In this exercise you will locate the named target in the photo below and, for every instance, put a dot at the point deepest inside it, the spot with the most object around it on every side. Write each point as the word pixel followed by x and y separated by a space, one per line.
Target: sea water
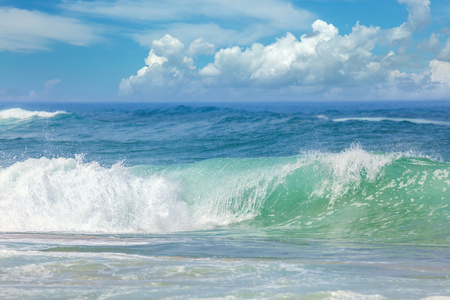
pixel 225 201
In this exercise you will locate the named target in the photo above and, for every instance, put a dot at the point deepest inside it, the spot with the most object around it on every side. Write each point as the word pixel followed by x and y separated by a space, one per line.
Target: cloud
pixel 418 12
pixel 278 13
pixel 167 66
pixel 49 87
pixel 318 59
pixel 321 57
pixel 444 54
pixel 322 64
pixel 418 17
pixel 201 47
pixel 440 71
pixel 24 31
pixel 217 22
pixel 209 32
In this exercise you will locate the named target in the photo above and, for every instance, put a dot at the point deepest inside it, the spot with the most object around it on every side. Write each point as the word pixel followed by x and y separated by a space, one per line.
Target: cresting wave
pixel 21 114
pixel 353 194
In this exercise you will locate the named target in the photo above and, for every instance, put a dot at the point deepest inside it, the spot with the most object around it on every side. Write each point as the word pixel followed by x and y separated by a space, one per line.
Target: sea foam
pixel 69 195
pixel 21 114
pixel 379 119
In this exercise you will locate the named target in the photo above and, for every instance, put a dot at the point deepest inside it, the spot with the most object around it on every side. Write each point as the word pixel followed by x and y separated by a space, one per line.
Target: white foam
pixel 346 170
pixel 21 114
pixel 69 195
pixel 348 295
pixel 323 117
pixel 379 119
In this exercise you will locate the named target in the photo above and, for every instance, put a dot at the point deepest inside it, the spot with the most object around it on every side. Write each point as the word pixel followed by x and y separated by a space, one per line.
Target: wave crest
pixel 66 194
pixel 21 114
pixel 380 119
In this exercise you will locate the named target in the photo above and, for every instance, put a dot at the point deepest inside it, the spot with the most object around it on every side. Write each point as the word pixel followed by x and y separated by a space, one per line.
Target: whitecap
pixel 379 119
pixel 21 114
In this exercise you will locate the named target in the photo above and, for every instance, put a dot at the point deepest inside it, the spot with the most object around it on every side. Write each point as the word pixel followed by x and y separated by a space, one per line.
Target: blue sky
pixel 224 50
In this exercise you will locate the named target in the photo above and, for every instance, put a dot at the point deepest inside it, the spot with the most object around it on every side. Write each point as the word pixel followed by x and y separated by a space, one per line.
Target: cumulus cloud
pixel 321 58
pixel 24 30
pixel 321 64
pixel 167 66
pixel 201 47
pixel 440 71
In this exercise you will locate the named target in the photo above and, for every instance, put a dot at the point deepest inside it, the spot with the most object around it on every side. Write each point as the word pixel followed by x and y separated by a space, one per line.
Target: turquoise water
pixel 238 201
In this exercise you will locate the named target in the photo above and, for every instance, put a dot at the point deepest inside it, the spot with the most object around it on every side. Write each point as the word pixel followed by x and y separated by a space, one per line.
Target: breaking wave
pixel 21 114
pixel 380 119
pixel 353 194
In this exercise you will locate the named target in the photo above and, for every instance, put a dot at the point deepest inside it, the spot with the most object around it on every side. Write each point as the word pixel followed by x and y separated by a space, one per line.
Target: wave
pixel 21 114
pixel 379 119
pixel 354 194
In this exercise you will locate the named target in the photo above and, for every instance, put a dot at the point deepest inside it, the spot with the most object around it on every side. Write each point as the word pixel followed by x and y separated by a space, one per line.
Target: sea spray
pixel 69 195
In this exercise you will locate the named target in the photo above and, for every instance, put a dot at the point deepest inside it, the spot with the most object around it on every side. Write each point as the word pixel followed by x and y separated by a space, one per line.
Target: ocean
pixel 332 200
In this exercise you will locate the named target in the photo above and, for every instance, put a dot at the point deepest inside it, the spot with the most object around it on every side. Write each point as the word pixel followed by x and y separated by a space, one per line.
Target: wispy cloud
pixel 217 21
pixel 277 13
pixel 25 30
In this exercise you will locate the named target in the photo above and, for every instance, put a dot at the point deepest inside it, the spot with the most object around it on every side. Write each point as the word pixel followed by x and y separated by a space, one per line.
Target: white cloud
pixel 209 32
pixel 278 13
pixel 218 21
pixel 418 16
pixel 418 12
pixel 24 30
pixel 167 67
pixel 201 47
pixel 320 58
pixel 440 71
pixel 444 54
pixel 322 64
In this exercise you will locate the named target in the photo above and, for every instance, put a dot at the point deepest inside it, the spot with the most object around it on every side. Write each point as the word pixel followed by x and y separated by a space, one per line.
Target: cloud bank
pixel 321 64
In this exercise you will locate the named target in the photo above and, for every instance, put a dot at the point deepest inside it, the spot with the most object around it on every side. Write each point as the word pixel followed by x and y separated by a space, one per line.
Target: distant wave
pixel 21 114
pixel 379 119
pixel 323 117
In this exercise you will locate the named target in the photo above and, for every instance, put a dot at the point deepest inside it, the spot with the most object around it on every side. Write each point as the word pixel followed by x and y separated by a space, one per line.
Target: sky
pixel 224 50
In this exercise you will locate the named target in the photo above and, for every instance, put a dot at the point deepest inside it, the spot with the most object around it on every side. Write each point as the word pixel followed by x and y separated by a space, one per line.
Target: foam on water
pixel 380 119
pixel 21 114
pixel 69 195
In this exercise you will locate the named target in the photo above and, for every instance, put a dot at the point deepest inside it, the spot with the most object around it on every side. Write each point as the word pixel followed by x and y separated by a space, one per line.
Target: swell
pixel 353 194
